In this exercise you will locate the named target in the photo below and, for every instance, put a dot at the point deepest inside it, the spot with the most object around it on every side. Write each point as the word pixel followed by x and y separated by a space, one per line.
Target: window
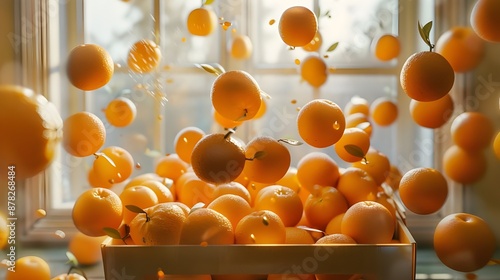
pixel 177 94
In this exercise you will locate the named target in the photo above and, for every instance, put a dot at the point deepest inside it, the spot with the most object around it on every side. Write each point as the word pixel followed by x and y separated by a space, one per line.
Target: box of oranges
pixel 374 261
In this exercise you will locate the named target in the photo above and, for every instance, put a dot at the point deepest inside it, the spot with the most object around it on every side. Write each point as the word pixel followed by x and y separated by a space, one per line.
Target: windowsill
pixel 428 265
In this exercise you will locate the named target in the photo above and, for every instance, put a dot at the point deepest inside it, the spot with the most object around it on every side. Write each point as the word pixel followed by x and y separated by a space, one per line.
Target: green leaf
pixel 310 229
pixel 425 33
pixel 218 67
pixel 292 142
pixel 104 156
pixel 196 207
pixel 259 154
pixel 72 259
pixel 265 95
pixel 354 150
pixel 111 232
pixel 135 209
pixel 332 47
pixel 208 2
pixel 210 69
pixel 364 125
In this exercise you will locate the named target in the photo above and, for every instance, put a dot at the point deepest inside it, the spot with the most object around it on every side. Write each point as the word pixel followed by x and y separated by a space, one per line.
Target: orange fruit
pixel 120 112
pixel 144 56
pixel 394 177
pixel 260 227
pixel 461 46
pixel 463 166
pixel 159 225
pixel 432 114
pixel 464 242
pixel 357 185
pixel 113 164
pixel 96 181
pixel 86 249
pixel 124 236
pixel 323 205
pixel 262 110
pixel 268 159
pixel 357 105
pixel 320 123
pixel 317 169
pixel 163 193
pixel 201 22
pixel 89 67
pixel 70 276
pixel 484 20
pixel 232 188
pixel 171 166
pixel 334 224
pixel 233 207
pixel 315 44
pixel 297 26
pixel 337 238
pixel 185 140
pixel 241 47
pixel 314 71
pixel 205 226
pixel 193 190
pixel 358 139
pixel 96 209
pixel 387 47
pixel 34 128
pixel 384 111
pixel 137 180
pixel 377 165
pixel 368 222
pixel 496 145
pixel 423 190
pixel 29 267
pixel 291 181
pixel 472 123
pixel 296 235
pixel 83 134
pixel 218 159
pixel 427 76
pixel 140 196
pixel 225 123
pixel 281 200
pixel 236 95
pixel 359 120
pixel 4 231
pixel 254 189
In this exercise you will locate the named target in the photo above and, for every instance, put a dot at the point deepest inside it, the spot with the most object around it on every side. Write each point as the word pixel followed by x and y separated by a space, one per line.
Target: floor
pixel 428 265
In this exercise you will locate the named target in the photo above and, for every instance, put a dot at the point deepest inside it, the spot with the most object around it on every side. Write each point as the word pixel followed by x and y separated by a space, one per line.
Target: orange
pixel 281 200
pixel 384 111
pixel 394 177
pixel 96 209
pixel 296 235
pixel 205 226
pixel 472 131
pixel 226 123
pixel 137 180
pixel 201 22
pixel 315 44
pixel 432 114
pixel 357 185
pixel 353 136
pixel 144 56
pixel 86 249
pixel 241 47
pixel 89 67
pixel 262 110
pixel 387 47
pixel 317 169
pixel 484 20
pixel 260 227
pixel 314 71
pixel 427 76
pixel 4 231
pixel 124 236
pixel 96 181
pixel 233 207
pixel 160 225
pixel 113 164
pixel 368 222
pixel 463 166
pixel 322 206
pixel 320 123
pixel 268 160
pixel 162 192
pixel 334 224
pixel 193 190
pixel 171 166
pixel 236 95
pixel 83 134
pixel 120 112
pixel 70 276
pixel 34 128
pixel 185 140
pixel 337 238
pixel 377 165
pixel 463 49
pixel 254 189
pixel 297 26
pixel 232 188
pixel 357 105
pixel 291 181
pixel 496 145
pixel 359 120
pixel 218 158
pixel 423 190
pixel 140 196
pixel 29 267
pixel 464 242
